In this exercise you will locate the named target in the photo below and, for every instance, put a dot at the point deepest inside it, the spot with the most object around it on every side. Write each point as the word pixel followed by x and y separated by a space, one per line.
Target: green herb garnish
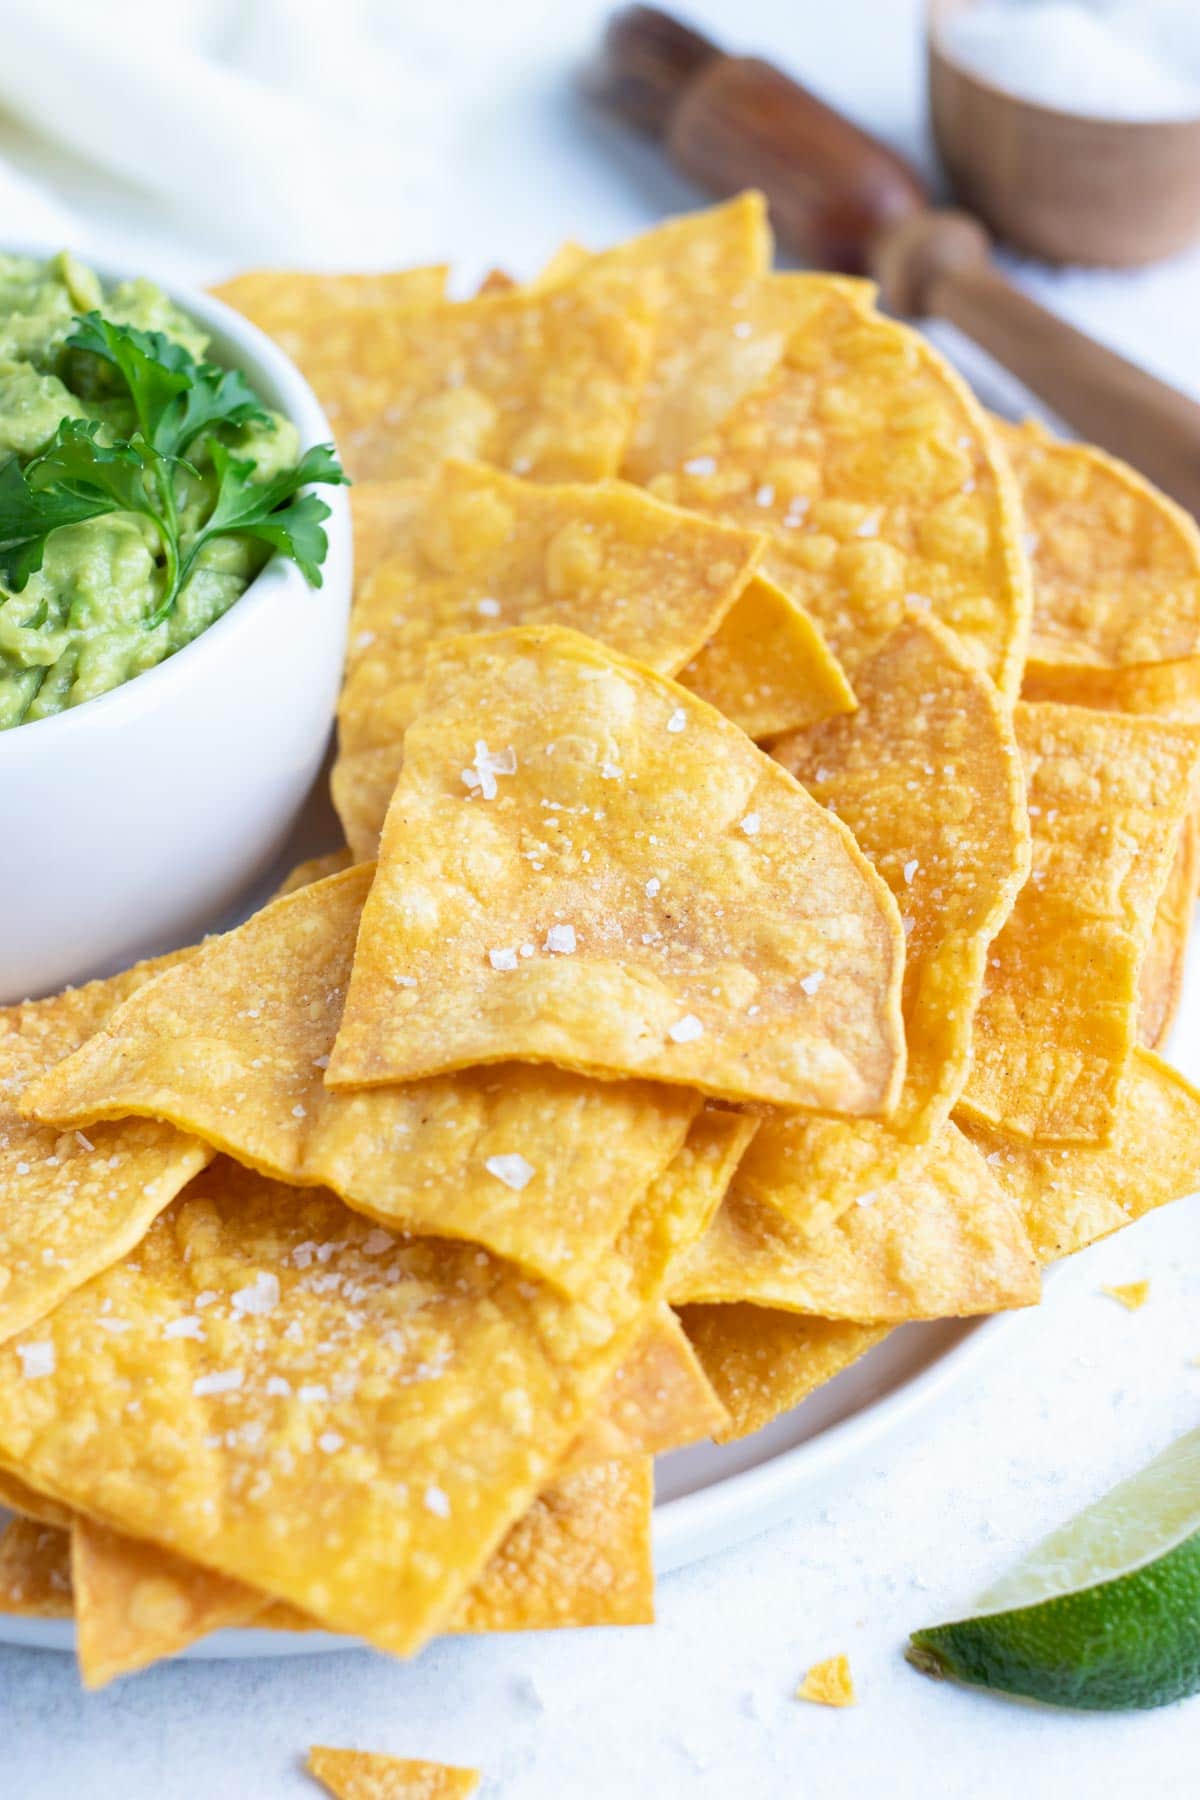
pixel 176 399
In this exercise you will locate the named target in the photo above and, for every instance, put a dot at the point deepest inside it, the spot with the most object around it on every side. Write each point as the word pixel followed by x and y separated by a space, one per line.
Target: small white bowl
pixel 133 823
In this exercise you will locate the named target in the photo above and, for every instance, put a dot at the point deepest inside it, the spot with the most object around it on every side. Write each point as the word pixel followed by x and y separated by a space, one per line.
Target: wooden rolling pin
pixel 840 199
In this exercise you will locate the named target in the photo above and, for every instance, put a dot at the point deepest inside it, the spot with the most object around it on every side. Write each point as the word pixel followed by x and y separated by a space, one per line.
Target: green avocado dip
pixel 141 488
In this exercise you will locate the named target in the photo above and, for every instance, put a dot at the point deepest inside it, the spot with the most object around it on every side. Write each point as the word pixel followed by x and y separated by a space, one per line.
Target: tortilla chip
pixel 294 307
pixel 658 1400
pixel 538 1165
pixel 496 281
pixel 678 892
pixel 136 1603
pixel 316 868
pixel 927 776
pixel 35 1571
pixel 1107 799
pixel 580 1556
pixel 828 1683
pixel 541 383
pixel 1116 565
pixel 19 1497
pixel 362 787
pixel 1070 1197
pixel 764 1363
pixel 364 1775
pixel 1171 690
pixel 946 1243
pixel 1161 982
pixel 381 513
pixel 647 580
pixel 708 264
pixel 398 1404
pixel 767 667
pixel 73 1202
pixel 879 479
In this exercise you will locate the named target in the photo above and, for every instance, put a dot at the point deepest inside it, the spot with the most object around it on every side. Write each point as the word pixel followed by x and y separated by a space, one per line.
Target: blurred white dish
pixel 130 823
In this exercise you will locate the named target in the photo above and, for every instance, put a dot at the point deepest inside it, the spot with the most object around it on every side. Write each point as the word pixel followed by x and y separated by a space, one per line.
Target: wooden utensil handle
pixel 732 122
pixel 940 262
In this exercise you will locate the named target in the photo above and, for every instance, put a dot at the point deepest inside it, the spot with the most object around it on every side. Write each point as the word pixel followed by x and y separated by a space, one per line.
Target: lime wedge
pixel 1104 1614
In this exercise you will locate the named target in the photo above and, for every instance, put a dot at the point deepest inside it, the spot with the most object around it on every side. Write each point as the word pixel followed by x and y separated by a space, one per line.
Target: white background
pixel 1079 1393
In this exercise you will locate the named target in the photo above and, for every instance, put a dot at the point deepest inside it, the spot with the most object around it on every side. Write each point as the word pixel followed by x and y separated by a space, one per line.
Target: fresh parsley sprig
pixel 176 399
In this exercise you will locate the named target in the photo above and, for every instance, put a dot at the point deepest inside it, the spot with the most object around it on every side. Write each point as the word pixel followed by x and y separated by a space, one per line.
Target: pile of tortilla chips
pixel 769 792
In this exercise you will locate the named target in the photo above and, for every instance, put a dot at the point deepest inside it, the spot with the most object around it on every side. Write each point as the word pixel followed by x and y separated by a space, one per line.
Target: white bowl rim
pixel 299 403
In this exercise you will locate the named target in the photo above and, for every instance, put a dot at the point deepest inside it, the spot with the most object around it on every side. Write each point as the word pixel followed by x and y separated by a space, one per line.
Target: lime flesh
pixel 1102 1615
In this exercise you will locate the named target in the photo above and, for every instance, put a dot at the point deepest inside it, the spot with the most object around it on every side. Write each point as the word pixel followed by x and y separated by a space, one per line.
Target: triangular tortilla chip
pixel 1160 984
pixel 946 1242
pixel 35 1571
pixel 764 1363
pixel 266 1355
pixel 1116 565
pixel 538 1165
pixel 708 263
pixel 673 902
pixel 927 776
pixel 659 1399
pixel 365 1775
pixel 767 667
pixel 313 869
pixel 542 383
pixel 1107 799
pixel 294 307
pixel 879 479
pixel 488 549
pixel 362 787
pixel 1071 1196
pixel 136 1603
pixel 19 1497
pixel 73 1201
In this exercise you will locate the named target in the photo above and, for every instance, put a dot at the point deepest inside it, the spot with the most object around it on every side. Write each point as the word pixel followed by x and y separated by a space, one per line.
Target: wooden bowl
pixel 1061 186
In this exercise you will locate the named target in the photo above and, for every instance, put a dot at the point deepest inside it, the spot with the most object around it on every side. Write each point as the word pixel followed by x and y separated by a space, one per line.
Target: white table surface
pixel 1080 1393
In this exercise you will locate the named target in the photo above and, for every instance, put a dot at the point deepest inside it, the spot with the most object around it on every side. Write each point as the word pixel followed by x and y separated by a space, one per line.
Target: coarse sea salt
pixel 37 1360
pixel 560 940
pixel 512 1170
pixel 1136 60
pixel 686 1030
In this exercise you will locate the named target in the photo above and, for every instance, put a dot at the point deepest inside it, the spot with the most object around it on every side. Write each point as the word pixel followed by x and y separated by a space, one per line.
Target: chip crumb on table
pixel 829 1683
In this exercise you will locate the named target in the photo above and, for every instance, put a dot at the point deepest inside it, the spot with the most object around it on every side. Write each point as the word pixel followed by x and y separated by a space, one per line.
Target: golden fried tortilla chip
pixel 767 667
pixel 584 864
pixel 1107 799
pixel 945 1243
pixel 1160 984
pixel 35 1570
pixel 1071 1196
pixel 879 479
pixel 365 1775
pixel 295 308
pixel 381 513
pixel 315 868
pixel 399 1403
pixel 580 1556
pixel 543 383
pixel 19 1497
pixel 659 1399
pixel 538 1165
pixel 1116 565
pixel 763 1363
pixel 136 1603
pixel 708 264
pixel 927 776
pixel 362 787
pixel 73 1201
pixel 1171 690
pixel 488 550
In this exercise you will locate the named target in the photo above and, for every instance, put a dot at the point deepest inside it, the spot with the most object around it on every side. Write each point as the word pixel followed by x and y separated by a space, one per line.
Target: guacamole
pixel 91 615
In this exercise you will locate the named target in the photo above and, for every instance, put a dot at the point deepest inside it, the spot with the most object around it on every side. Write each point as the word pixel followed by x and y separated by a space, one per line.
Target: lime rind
pixel 1104 1613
